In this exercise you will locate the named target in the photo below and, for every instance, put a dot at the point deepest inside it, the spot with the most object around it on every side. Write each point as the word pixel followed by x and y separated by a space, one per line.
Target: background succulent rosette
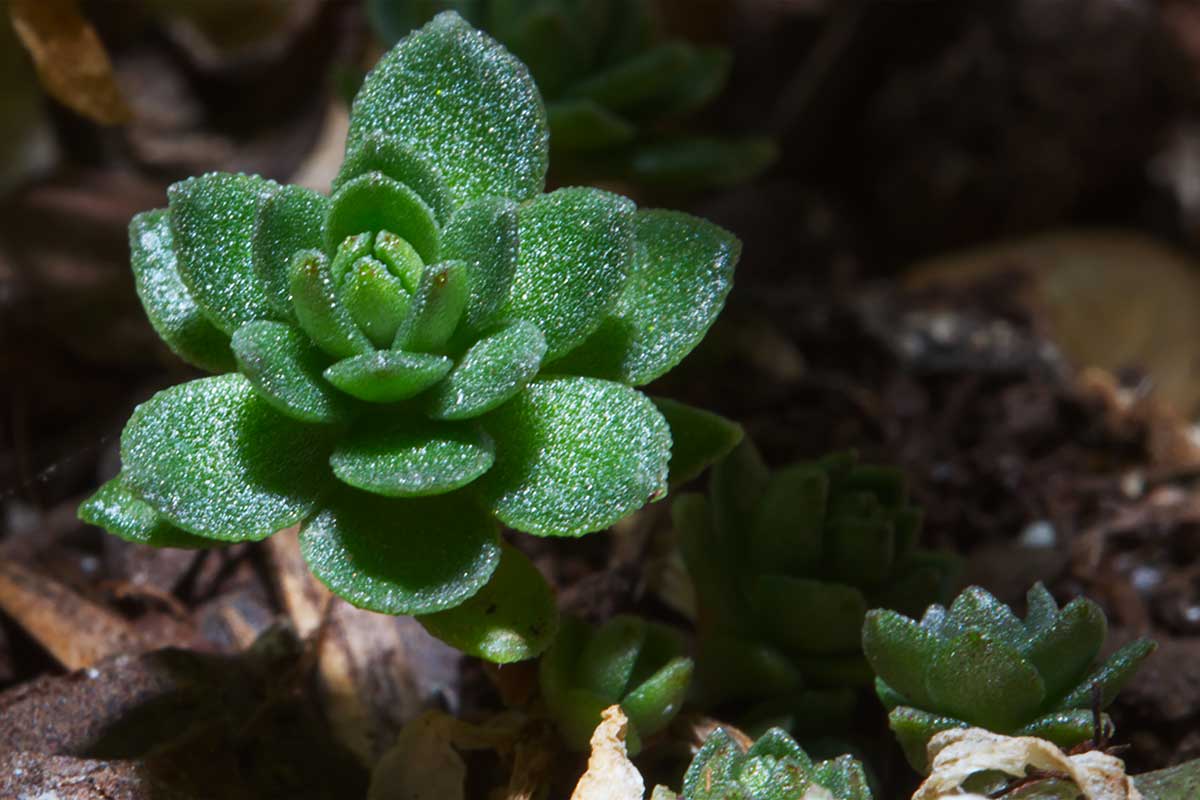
pixel 436 349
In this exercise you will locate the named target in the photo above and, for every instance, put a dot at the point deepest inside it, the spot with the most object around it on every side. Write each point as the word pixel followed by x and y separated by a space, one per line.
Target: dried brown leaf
pixel 71 61
pixel 610 774
pixel 422 764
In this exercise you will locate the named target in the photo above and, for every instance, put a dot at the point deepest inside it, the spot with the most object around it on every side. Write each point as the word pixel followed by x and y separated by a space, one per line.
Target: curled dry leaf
pixel 610 774
pixel 71 61
pixel 958 754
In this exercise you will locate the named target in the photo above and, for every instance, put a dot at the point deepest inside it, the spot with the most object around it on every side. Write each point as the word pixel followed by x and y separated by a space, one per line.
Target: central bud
pixel 375 278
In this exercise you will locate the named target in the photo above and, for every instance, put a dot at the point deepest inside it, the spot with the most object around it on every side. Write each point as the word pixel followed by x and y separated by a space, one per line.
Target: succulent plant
pixel 774 768
pixel 613 87
pixel 436 349
pixel 979 665
pixel 628 661
pixel 786 564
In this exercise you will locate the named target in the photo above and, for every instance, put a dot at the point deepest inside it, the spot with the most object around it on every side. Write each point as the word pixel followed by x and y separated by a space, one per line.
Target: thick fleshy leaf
pixel 1041 610
pixel 1110 676
pixel 736 486
pixel 699 438
pixel 285 369
pixel 844 776
pixel 913 729
pixel 707 557
pixel 483 235
pixel 214 458
pixel 832 617
pixel 608 659
pixel 413 556
pixel 1065 651
pixel 290 221
pixel 574 455
pixel 455 95
pixel 119 511
pixel 512 618
pixel 982 679
pixel 320 313
pixel 378 152
pixel 388 376
pixel 170 307
pixel 581 125
pixel 899 651
pixel 437 308
pixel 1065 728
pixel 374 202
pixel 576 254
pixel 212 219
pixel 490 373
pixel 713 766
pixel 375 299
pixel 977 608
pixel 578 716
pixel 411 458
pixel 786 533
pixel 655 702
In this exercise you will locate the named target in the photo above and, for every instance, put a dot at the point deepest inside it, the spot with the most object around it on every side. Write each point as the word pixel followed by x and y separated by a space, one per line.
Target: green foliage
pixel 396 358
pixel 774 768
pixel 616 93
pixel 785 566
pixel 977 664
pixel 640 665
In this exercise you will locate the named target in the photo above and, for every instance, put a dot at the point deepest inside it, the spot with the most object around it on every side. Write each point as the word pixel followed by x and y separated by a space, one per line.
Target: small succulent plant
pixel 628 661
pixel 786 564
pixel 978 665
pixel 436 349
pixel 612 86
pixel 774 768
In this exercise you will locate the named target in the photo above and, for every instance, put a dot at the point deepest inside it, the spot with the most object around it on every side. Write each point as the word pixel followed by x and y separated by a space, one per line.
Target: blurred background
pixel 971 236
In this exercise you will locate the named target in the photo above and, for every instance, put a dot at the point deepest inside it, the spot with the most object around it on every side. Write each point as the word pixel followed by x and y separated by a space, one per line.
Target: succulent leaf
pixel 1109 676
pixel 289 220
pixel 217 460
pixel 512 618
pixel 172 311
pixel 700 438
pixel 681 274
pixel 374 202
pixel 321 314
pixel 977 675
pixel 983 667
pixel 496 143
pixel 437 307
pixel 627 661
pixel 361 547
pixel 212 222
pixel 388 376
pixel 400 458
pixel 576 254
pixel 118 510
pixel 483 235
pixel 574 455
pixel 1069 645
pixel 494 370
pixel 285 369
pixel 773 768
pixel 392 156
